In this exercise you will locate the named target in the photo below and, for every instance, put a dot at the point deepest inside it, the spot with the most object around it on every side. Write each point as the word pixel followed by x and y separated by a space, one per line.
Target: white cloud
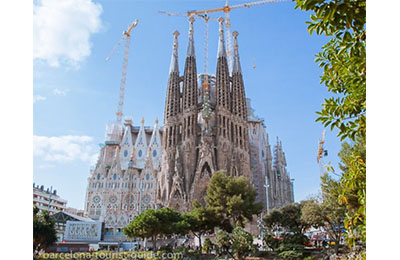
pixel 62 29
pixel 60 92
pixel 46 166
pixel 65 148
pixel 37 98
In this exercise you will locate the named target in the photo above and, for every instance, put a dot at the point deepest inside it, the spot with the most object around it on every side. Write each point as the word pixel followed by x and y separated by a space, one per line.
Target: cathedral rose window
pixel 146 199
pixel 140 153
pixel 113 199
pixel 126 153
pixel 96 199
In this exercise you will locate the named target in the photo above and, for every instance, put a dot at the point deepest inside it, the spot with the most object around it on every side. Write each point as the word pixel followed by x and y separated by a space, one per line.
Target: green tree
pixel 233 199
pixel 222 240
pixel 287 221
pixel 152 223
pixel 242 243
pixel 44 232
pixel 353 181
pixel 238 244
pixel 208 245
pixel 199 221
pixel 287 218
pixel 343 60
pixel 329 213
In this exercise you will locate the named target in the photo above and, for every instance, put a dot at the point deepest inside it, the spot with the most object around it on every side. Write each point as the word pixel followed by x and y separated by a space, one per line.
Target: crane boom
pixel 114 49
pixel 248 5
pixel 227 8
pixel 171 14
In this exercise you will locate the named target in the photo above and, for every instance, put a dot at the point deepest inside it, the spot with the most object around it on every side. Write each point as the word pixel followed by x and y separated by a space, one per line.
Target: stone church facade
pixel 209 125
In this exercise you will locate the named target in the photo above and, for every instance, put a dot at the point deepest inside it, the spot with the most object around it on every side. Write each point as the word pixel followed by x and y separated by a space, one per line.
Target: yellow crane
pixel 225 9
pixel 321 153
pixel 126 35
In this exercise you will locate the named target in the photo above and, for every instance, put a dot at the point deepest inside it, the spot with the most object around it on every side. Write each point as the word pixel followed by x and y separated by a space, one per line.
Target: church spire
pixel 222 75
pixel 236 61
pixel 172 103
pixel 174 67
pixel 190 73
pixel 190 50
pixel 239 104
pixel 221 41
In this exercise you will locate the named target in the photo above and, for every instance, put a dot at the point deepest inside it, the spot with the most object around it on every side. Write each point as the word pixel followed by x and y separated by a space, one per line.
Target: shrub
pixel 291 255
pixel 272 241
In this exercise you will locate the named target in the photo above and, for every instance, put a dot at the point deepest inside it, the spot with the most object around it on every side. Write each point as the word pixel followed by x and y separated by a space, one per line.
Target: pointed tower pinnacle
pixel 190 74
pixel 174 67
pixel 222 75
pixel 221 42
pixel 190 50
pixel 173 91
pixel 236 61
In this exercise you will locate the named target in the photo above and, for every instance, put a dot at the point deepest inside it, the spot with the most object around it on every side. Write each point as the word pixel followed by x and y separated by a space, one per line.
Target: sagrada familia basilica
pixel 209 125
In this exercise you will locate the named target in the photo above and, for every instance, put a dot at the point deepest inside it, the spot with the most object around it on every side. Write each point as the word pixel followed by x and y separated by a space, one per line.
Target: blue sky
pixel 76 90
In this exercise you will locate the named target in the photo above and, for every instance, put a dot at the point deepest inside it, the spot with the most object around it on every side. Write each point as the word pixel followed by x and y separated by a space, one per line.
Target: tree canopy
pixel 199 221
pixel 152 223
pixel 287 220
pixel 353 195
pixel 239 242
pixel 343 60
pixel 329 213
pixel 233 199
pixel 44 232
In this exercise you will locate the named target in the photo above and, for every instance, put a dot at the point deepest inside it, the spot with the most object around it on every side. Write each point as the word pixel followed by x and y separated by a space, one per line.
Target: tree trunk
pixel 155 242
pixel 337 241
pixel 199 237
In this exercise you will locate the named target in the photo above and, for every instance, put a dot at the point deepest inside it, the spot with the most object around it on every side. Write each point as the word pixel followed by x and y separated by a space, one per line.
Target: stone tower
pixel 282 186
pixel 205 129
pixel 180 126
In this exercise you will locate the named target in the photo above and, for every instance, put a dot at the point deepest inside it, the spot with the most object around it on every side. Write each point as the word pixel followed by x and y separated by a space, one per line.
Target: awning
pixel 109 243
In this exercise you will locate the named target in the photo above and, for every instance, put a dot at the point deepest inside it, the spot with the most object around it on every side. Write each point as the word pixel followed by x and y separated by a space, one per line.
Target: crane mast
pixel 127 35
pixel 321 153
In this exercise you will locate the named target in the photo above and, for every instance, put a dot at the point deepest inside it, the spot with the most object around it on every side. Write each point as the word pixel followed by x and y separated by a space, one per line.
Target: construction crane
pixel 126 35
pixel 321 153
pixel 225 9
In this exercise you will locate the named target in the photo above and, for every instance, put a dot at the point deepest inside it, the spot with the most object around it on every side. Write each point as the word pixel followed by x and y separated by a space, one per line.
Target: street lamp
pixel 266 195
